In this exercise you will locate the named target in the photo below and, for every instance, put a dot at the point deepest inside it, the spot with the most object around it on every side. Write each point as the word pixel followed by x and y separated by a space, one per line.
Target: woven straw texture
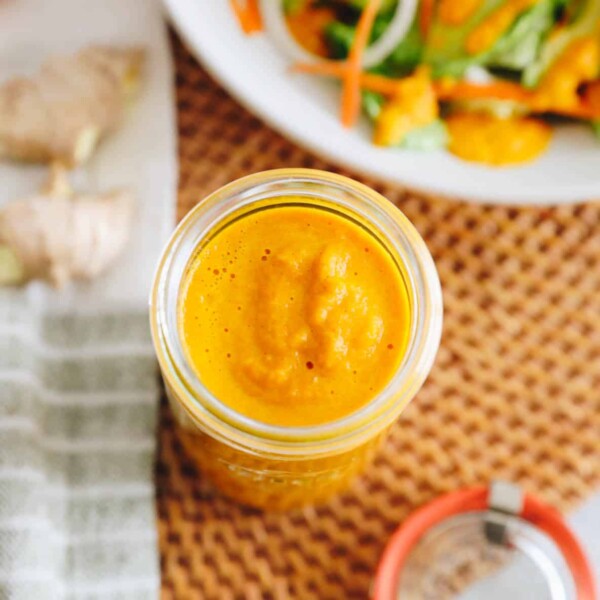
pixel 515 391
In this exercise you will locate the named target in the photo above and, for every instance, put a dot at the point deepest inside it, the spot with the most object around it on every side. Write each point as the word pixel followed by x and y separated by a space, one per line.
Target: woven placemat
pixel 515 391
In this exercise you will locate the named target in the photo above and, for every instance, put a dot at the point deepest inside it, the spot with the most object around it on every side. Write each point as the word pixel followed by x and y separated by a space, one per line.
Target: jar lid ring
pixel 500 498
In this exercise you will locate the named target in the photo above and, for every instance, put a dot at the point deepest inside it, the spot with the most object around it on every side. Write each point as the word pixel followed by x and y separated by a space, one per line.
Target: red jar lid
pixel 484 542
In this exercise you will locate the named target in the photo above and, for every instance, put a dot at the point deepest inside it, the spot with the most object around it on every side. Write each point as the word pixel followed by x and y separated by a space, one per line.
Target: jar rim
pixel 220 420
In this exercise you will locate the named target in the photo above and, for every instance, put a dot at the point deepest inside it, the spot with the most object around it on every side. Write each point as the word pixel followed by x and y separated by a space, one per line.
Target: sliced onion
pixel 274 20
pixel 394 33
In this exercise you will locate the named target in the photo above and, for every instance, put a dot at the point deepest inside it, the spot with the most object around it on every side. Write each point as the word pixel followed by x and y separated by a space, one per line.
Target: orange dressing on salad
pixel 293 315
pixel 456 12
pixel 591 95
pixel 580 62
pixel 307 25
pixel 484 36
pixel 486 139
pixel 413 105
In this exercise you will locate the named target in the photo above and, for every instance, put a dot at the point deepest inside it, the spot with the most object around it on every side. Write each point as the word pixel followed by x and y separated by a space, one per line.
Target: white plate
pixel 305 109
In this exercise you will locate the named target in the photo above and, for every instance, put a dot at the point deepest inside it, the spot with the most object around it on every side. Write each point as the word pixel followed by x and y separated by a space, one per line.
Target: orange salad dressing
pixel 456 12
pixel 486 139
pixel 307 26
pixel 293 315
pixel 484 36
pixel 559 88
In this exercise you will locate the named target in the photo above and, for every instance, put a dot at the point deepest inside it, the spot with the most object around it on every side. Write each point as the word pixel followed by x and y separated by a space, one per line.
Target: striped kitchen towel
pixel 77 437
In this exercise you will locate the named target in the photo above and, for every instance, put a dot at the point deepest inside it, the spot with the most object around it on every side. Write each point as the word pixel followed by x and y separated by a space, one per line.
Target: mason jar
pixel 276 466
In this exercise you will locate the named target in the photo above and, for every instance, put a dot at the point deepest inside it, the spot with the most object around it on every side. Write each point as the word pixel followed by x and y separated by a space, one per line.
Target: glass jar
pixel 279 467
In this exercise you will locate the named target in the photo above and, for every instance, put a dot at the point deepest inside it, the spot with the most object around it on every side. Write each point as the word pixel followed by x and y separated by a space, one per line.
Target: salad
pixel 485 79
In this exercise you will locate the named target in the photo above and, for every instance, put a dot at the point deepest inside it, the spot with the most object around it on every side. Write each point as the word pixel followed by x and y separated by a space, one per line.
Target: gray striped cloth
pixel 77 428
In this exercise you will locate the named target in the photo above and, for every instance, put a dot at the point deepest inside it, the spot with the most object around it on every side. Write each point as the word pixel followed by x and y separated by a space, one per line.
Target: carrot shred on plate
pixel 351 79
pixel 464 90
pixel 248 15
pixel 328 68
pixel 426 16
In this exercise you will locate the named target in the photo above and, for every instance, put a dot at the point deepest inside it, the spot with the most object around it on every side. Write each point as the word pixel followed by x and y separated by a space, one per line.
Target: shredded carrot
pixel 351 79
pixel 463 90
pixel 330 68
pixel 248 15
pixel 425 16
pixel 254 15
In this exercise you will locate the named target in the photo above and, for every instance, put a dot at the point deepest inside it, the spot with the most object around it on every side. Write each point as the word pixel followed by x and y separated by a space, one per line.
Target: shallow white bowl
pixel 305 109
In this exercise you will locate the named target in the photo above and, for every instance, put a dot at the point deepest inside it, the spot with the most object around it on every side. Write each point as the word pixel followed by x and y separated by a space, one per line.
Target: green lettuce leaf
pixel 406 56
pixel 515 49
pixel 521 44
pixel 338 37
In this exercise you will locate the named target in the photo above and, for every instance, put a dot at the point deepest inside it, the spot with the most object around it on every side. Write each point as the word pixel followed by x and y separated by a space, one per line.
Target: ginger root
pixel 61 114
pixel 57 236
